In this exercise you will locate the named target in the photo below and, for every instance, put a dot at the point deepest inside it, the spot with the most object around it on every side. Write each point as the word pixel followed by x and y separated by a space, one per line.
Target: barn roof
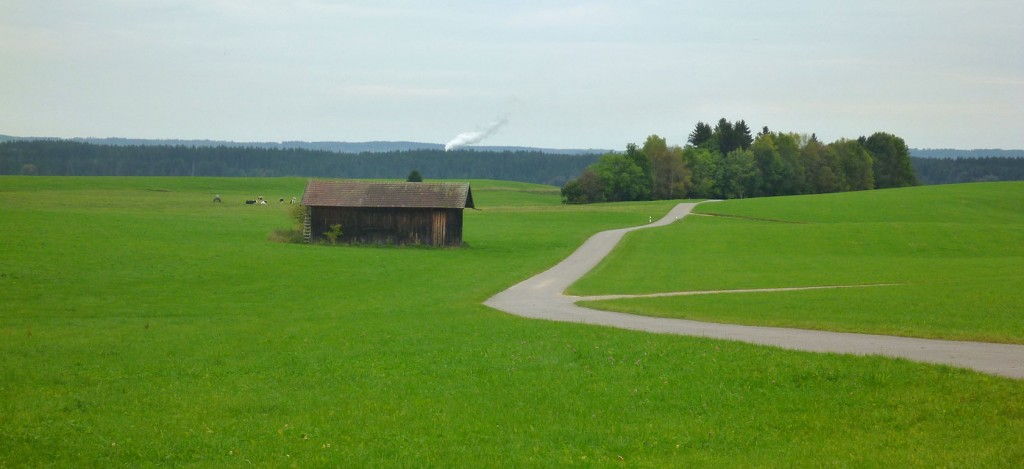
pixel 387 194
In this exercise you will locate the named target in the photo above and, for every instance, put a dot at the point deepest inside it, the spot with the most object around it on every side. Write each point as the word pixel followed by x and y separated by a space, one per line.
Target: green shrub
pixel 334 233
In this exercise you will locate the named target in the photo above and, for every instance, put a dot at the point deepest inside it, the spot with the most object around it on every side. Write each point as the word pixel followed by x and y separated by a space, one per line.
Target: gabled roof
pixel 347 193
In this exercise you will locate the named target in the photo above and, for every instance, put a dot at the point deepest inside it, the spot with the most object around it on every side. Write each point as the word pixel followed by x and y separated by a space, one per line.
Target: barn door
pixel 440 223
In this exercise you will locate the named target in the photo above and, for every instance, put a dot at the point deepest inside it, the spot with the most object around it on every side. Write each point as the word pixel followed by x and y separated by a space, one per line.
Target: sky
pixel 941 74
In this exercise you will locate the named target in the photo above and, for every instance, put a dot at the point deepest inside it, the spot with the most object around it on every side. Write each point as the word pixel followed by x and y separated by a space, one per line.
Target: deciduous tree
pixel 621 178
pixel 737 175
pixel 854 163
pixel 794 174
pixel 891 165
pixel 703 164
pixel 769 164
pixel 816 160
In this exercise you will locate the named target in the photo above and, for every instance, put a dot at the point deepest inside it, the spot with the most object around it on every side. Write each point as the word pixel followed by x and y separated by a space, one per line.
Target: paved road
pixel 541 297
pixel 716 292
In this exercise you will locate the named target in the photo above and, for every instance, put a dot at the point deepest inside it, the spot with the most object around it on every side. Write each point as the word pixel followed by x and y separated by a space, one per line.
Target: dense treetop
pixel 726 161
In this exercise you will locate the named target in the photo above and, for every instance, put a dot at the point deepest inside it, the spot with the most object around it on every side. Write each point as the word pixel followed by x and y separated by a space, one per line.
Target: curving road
pixel 541 297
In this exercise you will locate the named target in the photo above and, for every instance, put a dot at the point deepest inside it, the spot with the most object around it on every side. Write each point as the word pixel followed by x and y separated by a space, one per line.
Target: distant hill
pixel 336 147
pixel 976 153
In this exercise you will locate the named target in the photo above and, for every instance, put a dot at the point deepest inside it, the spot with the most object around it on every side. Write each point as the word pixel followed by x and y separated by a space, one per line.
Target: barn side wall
pixel 453 233
pixel 388 225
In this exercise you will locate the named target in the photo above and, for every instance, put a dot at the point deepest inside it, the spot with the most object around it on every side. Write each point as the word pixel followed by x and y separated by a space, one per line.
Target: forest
pixel 975 153
pixel 332 146
pixel 953 170
pixel 723 163
pixel 67 158
pixel 727 162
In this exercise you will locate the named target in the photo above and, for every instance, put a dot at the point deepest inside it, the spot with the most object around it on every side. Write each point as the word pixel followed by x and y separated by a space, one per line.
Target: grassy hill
pixel 140 324
pixel 957 253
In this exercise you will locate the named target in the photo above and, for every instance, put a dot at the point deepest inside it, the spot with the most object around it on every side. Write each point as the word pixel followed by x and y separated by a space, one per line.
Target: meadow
pixel 143 325
pixel 955 254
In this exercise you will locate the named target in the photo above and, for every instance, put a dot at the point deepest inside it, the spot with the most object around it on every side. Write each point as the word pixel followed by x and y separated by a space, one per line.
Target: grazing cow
pixel 216 199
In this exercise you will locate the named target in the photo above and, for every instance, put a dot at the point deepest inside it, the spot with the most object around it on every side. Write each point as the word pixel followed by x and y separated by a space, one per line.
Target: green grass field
pixel 142 325
pixel 957 253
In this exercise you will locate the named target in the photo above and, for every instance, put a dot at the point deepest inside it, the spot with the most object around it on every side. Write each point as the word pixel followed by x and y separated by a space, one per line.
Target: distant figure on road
pixel 216 199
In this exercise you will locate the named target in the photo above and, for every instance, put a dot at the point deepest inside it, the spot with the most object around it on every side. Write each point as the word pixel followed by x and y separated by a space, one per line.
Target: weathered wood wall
pixel 431 226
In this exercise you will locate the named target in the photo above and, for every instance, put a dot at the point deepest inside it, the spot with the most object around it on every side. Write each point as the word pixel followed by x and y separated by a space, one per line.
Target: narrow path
pixel 541 297
pixel 718 292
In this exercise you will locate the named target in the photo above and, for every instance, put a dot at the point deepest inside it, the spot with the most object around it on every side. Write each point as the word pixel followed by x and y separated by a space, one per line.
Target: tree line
pixel 727 161
pixel 975 153
pixel 336 147
pixel 766 164
pixel 953 170
pixel 67 158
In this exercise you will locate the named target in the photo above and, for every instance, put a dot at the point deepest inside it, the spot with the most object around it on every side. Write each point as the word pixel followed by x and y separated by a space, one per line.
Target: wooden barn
pixel 387 212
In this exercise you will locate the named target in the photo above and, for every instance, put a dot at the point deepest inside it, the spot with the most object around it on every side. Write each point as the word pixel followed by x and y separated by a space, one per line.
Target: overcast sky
pixel 567 74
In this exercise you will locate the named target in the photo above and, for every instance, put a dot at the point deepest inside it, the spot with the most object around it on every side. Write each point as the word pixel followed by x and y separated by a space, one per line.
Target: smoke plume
pixel 469 138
